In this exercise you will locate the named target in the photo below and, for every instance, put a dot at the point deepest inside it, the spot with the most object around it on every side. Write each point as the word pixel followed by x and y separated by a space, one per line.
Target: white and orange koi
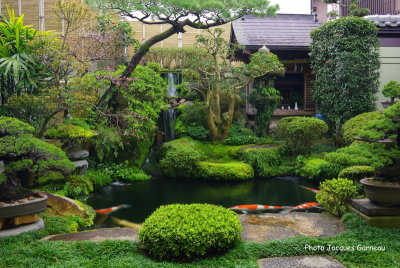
pixel 310 189
pixel 255 208
pixel 111 209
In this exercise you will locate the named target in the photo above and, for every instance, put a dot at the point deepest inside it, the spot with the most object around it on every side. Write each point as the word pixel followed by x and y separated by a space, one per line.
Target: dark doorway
pixel 291 87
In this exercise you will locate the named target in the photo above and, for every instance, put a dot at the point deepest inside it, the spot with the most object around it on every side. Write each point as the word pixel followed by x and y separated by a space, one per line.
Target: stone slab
pixel 371 209
pixel 270 226
pixel 318 261
pixel 23 229
pixel 98 235
pixel 379 221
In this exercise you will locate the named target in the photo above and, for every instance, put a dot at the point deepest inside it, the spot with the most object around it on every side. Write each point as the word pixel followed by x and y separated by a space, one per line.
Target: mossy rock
pixel 225 171
pixel 66 207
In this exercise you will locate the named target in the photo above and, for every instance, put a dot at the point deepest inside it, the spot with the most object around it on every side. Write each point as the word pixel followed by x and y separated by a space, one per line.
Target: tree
pixel 219 82
pixel 178 14
pixel 353 8
pixel 345 59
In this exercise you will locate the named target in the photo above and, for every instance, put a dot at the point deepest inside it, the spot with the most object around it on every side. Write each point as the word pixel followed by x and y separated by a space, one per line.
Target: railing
pixel 377 7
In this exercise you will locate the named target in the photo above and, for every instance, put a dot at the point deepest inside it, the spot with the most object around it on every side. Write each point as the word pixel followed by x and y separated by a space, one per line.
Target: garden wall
pixel 390 69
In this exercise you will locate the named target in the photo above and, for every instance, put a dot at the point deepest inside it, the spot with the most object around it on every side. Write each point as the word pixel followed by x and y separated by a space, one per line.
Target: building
pixel 287 36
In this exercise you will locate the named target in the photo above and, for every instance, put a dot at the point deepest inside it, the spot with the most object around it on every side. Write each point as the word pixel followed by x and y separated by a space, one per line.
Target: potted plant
pixel 25 158
pixel 384 136
pixel 391 90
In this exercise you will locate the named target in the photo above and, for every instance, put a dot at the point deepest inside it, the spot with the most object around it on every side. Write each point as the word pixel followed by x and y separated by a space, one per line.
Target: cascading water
pixel 172 86
pixel 169 115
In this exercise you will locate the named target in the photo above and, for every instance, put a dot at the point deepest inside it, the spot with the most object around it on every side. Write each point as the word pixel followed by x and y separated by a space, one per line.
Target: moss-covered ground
pixel 28 251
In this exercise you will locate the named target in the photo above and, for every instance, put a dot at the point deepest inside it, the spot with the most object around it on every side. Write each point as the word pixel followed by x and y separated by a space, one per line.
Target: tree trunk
pixel 12 190
pixel 111 92
pixel 228 118
pixel 210 118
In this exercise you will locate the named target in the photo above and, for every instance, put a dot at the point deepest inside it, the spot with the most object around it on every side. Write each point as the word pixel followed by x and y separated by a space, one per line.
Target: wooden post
pixel 19 7
pixel 41 15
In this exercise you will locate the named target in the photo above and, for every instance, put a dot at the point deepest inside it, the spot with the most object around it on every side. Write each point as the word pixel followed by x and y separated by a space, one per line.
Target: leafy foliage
pixel 345 60
pixel 10 127
pixel 178 159
pixel 69 131
pixel 355 125
pixel 356 173
pixel 265 100
pixel 300 134
pixel 186 232
pixel 225 171
pixel 240 136
pixel 122 172
pixel 267 162
pixel 78 185
pixel 335 194
pixel 198 132
pixel 99 178
pixel 317 168
pixel 391 90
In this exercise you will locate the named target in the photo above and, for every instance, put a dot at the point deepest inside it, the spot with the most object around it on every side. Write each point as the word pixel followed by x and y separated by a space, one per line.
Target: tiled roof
pixel 282 31
pixel 385 20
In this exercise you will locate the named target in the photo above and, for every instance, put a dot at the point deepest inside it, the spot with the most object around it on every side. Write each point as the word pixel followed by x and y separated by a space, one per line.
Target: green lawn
pixel 27 251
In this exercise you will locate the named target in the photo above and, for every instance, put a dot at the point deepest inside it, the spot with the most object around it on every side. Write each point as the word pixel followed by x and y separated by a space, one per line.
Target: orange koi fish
pixel 255 207
pixel 310 189
pixel 306 206
pixel 111 209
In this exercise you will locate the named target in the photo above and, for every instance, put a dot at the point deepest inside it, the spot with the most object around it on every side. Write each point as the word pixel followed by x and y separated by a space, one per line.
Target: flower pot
pixel 30 207
pixel 384 195
pixel 387 104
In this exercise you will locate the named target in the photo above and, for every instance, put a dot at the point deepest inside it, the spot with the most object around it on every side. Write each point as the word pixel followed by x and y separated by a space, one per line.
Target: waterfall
pixel 169 117
pixel 172 86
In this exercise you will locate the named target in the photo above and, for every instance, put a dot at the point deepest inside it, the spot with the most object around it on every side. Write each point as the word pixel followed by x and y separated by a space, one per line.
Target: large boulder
pixel 64 206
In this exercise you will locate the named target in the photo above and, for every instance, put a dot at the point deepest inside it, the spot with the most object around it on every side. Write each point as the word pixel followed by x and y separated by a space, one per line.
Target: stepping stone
pixel 81 166
pixel 97 235
pixel 78 155
pixel 271 226
pixel 300 262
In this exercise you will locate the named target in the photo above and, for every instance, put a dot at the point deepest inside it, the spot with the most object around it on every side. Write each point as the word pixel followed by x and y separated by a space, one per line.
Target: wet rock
pixel 64 206
pixel 78 155
pixel 81 166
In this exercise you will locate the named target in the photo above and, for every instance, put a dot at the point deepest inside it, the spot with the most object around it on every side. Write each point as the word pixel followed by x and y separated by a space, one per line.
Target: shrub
pixel 122 172
pixel 225 171
pixel 335 194
pixel 78 185
pixel 51 177
pixel 316 168
pixel 267 162
pixel 345 60
pixel 68 131
pixel 240 136
pixel 12 126
pixel 300 134
pixel 186 232
pixel 137 175
pixel 357 173
pixel 391 90
pixel 99 178
pixel 353 126
pixel 198 132
pixel 178 158
pixel 364 154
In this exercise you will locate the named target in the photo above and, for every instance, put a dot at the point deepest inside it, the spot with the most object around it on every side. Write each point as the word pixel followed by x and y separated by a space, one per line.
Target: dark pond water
pixel 146 196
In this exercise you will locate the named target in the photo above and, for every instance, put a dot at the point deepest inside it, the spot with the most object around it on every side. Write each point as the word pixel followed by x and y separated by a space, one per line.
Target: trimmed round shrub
pixel 357 173
pixel 184 232
pixel 240 136
pixel 335 194
pixel 225 171
pixel 353 126
pixel 300 134
pixel 178 158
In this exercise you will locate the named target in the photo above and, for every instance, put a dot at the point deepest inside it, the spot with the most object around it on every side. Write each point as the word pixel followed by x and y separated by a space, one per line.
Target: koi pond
pixel 144 197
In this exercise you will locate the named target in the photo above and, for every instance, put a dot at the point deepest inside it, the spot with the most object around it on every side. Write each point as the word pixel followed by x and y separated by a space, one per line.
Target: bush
pixel 198 132
pixel 317 168
pixel 186 232
pixel 122 172
pixel 240 136
pixel 391 90
pixel 267 162
pixel 225 171
pixel 192 121
pixel 335 194
pixel 68 131
pixel 12 126
pixel 300 134
pixel 178 158
pixel 78 185
pixel 356 173
pixel 99 178
pixel 51 177
pixel 353 126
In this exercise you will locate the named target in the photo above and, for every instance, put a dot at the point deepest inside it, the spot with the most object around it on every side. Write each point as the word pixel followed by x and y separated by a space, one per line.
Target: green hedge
pixel 353 126
pixel 357 173
pixel 300 134
pixel 317 168
pixel 267 162
pixel 225 171
pixel 185 232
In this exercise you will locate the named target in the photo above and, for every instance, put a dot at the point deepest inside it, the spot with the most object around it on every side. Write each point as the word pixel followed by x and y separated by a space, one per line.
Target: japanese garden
pixel 223 133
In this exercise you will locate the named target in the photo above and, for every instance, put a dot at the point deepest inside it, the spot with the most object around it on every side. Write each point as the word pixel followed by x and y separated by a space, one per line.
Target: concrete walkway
pixel 98 235
pixel 300 262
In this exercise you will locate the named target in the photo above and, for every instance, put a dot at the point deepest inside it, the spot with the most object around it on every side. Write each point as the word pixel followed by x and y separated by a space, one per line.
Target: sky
pixel 293 6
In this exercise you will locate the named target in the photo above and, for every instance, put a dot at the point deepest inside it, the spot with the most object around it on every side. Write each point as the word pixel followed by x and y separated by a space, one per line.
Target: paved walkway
pixel 300 262
pixel 98 235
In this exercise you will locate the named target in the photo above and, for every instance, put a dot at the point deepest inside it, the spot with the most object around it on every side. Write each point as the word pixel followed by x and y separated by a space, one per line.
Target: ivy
pixel 345 60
